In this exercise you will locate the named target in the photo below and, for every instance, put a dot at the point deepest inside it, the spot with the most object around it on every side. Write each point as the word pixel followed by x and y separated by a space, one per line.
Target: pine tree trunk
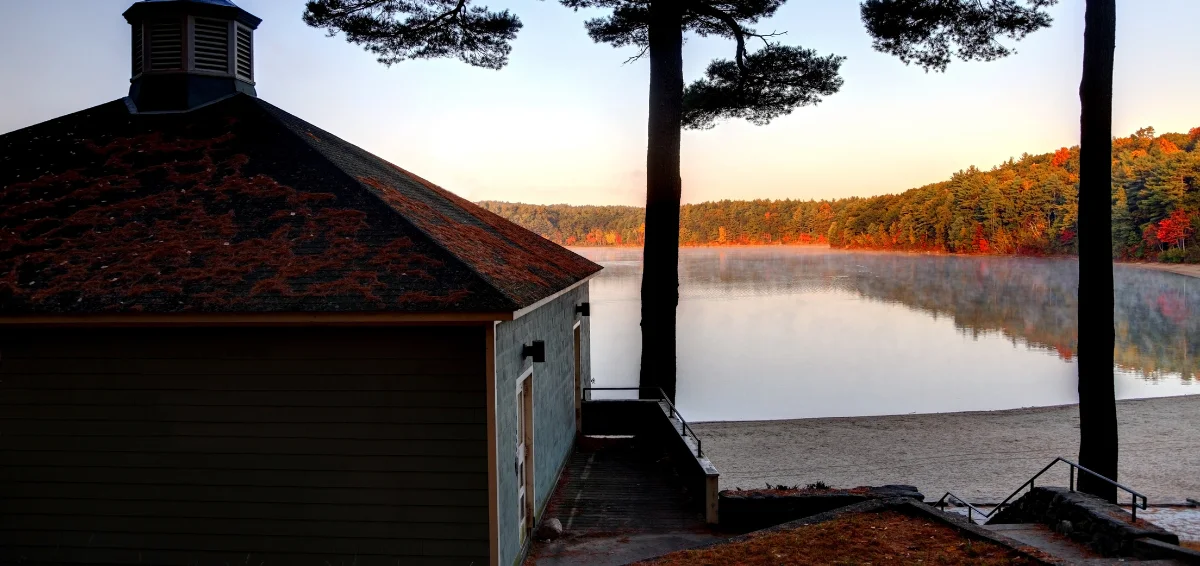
pixel 1097 398
pixel 660 273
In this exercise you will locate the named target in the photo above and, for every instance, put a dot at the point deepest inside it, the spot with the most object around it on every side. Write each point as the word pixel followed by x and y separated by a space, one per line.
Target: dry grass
pixel 1192 544
pixel 869 538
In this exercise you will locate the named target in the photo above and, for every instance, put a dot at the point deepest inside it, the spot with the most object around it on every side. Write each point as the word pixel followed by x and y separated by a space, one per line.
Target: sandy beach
pixel 981 456
pixel 1189 269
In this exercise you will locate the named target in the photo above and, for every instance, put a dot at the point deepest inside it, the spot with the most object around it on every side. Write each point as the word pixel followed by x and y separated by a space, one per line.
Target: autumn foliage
pixel 1025 206
pixel 1174 229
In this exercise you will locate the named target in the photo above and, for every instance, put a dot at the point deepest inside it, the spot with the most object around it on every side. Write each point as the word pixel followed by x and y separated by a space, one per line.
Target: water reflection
pixel 797 332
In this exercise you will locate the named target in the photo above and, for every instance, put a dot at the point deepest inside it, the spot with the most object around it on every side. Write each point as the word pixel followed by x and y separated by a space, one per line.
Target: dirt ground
pixel 981 456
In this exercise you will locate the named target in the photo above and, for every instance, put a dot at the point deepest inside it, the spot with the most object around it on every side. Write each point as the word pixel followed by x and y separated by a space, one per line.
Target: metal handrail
pixel 674 413
pixel 1134 495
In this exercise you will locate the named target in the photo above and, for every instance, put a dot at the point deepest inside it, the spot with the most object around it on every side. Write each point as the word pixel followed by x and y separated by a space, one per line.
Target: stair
pixel 1046 540
pixel 1063 548
pixel 1107 561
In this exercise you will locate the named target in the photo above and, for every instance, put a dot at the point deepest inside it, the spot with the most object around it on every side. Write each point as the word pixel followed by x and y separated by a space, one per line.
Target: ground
pixel 981 456
pixel 869 538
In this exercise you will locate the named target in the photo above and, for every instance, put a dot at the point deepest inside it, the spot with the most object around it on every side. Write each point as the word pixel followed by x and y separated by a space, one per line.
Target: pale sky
pixel 565 121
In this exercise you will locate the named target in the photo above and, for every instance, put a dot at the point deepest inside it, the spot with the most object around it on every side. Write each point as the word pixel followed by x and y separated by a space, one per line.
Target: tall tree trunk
pixel 1097 398
pixel 660 272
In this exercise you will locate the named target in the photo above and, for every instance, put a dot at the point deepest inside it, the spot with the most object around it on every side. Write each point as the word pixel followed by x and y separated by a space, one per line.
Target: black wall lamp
pixel 536 350
pixel 584 309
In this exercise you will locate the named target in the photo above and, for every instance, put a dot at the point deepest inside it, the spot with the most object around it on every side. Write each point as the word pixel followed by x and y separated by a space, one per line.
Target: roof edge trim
pixel 252 319
pixel 524 311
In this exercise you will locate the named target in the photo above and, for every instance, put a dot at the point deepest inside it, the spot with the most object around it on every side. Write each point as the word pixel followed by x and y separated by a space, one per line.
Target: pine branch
pixel 352 8
pixel 735 28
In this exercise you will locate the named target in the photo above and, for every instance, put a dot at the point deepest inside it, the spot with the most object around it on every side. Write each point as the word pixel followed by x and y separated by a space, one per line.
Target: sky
pixel 565 121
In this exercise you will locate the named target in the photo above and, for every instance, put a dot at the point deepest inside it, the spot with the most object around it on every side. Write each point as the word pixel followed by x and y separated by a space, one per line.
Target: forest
pixel 1025 206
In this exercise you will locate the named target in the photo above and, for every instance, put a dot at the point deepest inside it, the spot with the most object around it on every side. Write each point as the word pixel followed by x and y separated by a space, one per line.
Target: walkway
pixel 618 503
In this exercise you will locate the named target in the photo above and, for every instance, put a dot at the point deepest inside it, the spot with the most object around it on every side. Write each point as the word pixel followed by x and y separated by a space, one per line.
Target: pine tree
pixel 1097 335
pixel 1124 233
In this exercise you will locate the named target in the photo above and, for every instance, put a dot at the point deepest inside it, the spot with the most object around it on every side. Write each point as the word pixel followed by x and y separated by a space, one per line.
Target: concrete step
pixel 1046 540
pixel 1108 561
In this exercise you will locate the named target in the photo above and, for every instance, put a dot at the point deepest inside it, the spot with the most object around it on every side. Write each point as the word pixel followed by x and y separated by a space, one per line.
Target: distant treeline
pixel 1026 206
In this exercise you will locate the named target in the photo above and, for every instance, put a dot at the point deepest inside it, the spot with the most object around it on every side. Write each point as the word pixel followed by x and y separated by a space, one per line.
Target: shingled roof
pixel 241 207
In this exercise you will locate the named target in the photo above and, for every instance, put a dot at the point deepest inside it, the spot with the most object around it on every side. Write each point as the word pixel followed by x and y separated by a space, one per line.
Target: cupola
pixel 187 53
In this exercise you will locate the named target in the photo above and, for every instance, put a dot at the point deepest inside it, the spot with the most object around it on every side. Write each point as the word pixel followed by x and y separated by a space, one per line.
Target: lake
pixel 795 332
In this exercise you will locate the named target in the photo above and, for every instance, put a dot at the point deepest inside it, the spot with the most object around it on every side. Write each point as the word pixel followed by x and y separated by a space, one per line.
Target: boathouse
pixel 229 337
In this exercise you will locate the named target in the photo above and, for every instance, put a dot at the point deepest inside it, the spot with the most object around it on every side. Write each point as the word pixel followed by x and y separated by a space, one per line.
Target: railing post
pixel 1072 468
pixel 1133 506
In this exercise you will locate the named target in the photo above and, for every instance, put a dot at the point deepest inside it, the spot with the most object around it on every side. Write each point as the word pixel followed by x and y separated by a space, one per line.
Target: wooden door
pixel 525 490
pixel 579 385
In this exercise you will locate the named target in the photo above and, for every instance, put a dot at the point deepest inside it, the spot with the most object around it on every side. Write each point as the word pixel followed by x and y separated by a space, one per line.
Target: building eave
pixel 524 311
pixel 251 319
pixel 277 319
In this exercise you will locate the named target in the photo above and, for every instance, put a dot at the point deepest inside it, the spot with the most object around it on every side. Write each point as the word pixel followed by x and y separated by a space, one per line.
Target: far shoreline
pixel 1186 269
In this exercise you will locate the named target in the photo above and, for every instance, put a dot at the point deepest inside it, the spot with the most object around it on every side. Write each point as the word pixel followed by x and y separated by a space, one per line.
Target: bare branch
pixel 640 54
pixel 764 37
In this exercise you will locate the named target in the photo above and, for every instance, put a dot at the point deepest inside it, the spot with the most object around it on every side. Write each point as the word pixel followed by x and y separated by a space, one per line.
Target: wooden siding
pixel 253 446
pixel 553 405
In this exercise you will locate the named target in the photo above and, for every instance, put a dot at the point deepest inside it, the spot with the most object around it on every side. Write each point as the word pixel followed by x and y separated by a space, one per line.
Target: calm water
pixel 793 332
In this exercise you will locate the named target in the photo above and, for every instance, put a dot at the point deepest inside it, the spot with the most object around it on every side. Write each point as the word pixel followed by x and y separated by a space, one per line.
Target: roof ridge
pixel 63 117
pixel 450 197
pixel 481 275
pixel 270 110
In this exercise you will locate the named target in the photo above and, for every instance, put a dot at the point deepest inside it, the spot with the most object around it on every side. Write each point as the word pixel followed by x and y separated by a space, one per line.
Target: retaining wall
pixel 648 419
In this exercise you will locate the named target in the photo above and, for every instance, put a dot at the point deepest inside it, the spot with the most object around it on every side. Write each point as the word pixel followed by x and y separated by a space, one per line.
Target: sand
pixel 1190 269
pixel 981 456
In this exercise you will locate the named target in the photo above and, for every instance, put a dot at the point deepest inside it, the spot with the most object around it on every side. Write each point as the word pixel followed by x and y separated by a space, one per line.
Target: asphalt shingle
pixel 242 207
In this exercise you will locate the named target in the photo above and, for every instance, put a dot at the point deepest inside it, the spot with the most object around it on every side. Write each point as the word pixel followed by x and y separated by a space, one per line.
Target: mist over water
pixel 796 332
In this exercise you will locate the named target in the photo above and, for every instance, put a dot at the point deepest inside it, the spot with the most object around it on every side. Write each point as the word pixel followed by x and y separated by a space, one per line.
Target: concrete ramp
pixel 620 500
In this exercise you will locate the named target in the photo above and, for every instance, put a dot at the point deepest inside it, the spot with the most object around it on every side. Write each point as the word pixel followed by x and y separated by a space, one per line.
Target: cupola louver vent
pixel 166 46
pixel 211 48
pixel 245 54
pixel 138 52
pixel 189 53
